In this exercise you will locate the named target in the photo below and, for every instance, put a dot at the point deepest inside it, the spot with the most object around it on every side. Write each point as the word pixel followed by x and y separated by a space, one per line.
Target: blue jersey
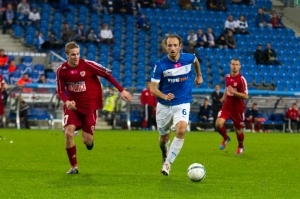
pixel 175 77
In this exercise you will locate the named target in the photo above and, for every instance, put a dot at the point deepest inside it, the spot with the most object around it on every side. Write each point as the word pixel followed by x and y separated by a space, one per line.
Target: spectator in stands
pixel 230 40
pixel 270 56
pixel 211 5
pixel 106 35
pixel 40 41
pixel 23 7
pixel 93 37
pixel 205 115
pixel 67 33
pixel 109 5
pixel 259 55
pixel 80 34
pixel 161 4
pixel 221 42
pixel 148 101
pixel 22 18
pixel 42 79
pixel 12 66
pixel 133 7
pixel 252 120
pixel 216 97
pixel 143 22
pixel 3 58
pixel 23 114
pixel 52 43
pixel 292 116
pixel 276 21
pixel 221 5
pixel 34 17
pixel 210 37
pixel 146 3
pixel 230 24
pixel 262 19
pixel 196 4
pixel 8 18
pixel 192 38
pixel 3 93
pixel 98 7
pixel 109 106
pixel 24 80
pixel 185 4
pixel 201 42
pixel 121 7
pixel 241 25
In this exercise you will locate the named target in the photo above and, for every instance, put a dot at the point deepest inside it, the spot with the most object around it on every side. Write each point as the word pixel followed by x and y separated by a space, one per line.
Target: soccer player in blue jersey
pixel 171 83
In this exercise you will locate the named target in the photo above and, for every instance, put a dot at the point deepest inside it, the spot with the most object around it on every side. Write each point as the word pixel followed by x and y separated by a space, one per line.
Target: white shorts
pixel 168 116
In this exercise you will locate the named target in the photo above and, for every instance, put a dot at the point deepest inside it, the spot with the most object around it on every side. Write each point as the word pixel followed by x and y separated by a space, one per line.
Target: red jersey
pixel 82 85
pixel 292 113
pixel 239 84
pixel 148 98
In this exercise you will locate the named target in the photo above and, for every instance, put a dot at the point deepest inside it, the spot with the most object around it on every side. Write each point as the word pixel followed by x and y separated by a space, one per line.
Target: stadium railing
pixel 42 106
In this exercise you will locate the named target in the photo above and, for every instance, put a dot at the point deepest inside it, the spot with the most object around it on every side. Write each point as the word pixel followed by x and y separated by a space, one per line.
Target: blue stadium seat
pixel 35 76
pixel 51 77
pixel 14 77
pixel 17 31
pixel 27 60
pixel 40 68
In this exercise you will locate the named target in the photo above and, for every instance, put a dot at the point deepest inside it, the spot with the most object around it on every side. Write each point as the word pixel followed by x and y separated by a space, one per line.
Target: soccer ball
pixel 196 172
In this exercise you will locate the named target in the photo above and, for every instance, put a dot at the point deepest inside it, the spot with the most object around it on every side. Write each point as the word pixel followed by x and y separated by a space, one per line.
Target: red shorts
pixel 86 122
pixel 237 117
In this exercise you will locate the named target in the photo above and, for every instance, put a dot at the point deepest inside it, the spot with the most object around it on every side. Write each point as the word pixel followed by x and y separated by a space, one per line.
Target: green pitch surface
pixel 127 164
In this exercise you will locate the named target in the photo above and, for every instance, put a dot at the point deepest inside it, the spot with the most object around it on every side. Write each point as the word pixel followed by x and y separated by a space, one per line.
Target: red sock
pixel 240 138
pixel 222 132
pixel 71 152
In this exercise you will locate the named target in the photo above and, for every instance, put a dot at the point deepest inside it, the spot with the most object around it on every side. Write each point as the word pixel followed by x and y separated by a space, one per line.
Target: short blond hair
pixel 71 45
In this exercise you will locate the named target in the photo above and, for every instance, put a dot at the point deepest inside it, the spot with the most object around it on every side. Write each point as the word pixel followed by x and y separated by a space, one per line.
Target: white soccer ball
pixel 196 172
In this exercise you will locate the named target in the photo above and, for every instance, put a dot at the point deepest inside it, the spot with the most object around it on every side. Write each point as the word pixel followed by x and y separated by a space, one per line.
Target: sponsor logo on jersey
pixel 234 84
pixel 77 87
pixel 82 73
pixel 178 79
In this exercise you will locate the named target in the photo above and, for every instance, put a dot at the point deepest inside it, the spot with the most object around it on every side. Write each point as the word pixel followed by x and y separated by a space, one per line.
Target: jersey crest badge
pixel 82 73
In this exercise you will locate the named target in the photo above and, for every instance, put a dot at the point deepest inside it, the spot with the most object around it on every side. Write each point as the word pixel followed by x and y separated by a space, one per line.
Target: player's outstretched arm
pixel 198 78
pixel 126 96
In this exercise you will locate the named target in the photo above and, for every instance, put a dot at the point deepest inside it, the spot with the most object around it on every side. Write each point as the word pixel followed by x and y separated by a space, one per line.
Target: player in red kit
pixel 149 102
pixel 292 116
pixel 78 86
pixel 233 105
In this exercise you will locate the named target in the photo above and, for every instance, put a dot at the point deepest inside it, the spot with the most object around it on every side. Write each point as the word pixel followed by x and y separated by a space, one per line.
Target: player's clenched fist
pixel 71 105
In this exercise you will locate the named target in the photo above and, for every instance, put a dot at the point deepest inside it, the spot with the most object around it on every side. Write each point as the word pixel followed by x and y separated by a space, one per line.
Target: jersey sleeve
pixel 104 72
pixel 244 87
pixel 157 73
pixel 60 87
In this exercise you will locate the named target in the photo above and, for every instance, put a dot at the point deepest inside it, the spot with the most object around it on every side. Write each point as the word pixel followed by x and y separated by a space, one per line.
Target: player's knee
pixel 163 131
pixel 69 133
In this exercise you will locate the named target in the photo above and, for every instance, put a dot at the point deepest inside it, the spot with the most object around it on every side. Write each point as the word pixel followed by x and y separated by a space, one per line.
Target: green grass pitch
pixel 126 164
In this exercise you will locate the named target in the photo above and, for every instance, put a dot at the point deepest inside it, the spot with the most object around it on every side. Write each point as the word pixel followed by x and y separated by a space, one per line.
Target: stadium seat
pixel 27 60
pixel 14 77
pixel 35 76
pixel 40 68
pixel 51 77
